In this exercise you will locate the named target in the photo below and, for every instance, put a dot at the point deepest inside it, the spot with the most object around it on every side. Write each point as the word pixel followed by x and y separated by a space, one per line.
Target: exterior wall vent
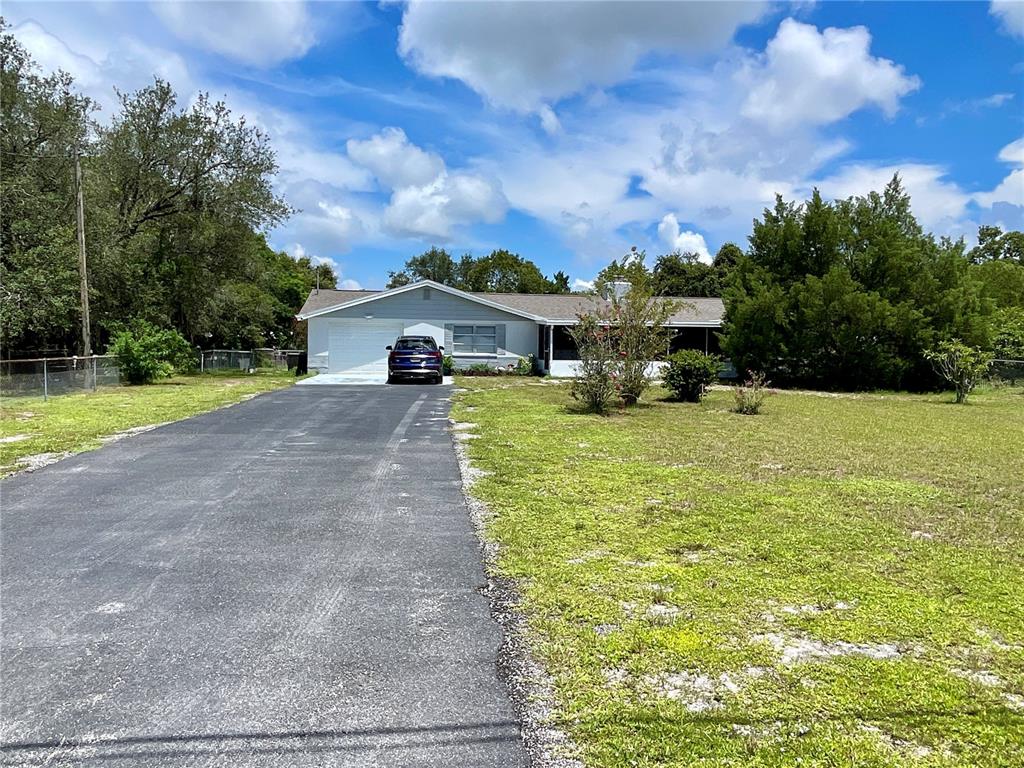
pixel 426 294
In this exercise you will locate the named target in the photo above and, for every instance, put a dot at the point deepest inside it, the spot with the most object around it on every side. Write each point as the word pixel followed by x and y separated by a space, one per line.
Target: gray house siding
pixel 434 316
pixel 441 306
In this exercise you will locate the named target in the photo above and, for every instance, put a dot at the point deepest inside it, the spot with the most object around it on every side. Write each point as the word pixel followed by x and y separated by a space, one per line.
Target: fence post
pixel 95 366
pixel 202 361
pixel 46 390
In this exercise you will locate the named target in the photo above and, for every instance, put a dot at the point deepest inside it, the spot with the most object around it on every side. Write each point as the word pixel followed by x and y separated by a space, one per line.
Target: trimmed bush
pixel 690 373
pixel 146 353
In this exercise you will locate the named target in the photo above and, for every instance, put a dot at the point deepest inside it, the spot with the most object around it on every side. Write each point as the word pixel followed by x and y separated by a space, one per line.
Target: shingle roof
pixel 328 297
pixel 564 307
pixel 555 307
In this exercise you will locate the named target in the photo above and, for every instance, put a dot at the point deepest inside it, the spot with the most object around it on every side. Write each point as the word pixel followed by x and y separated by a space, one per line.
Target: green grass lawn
pixel 836 582
pixel 77 422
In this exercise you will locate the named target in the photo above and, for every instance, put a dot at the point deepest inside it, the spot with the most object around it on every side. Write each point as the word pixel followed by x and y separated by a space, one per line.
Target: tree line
pixel 673 274
pixel 854 294
pixel 500 271
pixel 176 198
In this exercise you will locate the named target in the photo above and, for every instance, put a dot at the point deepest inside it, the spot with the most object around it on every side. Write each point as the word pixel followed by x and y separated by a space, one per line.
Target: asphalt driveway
pixel 290 581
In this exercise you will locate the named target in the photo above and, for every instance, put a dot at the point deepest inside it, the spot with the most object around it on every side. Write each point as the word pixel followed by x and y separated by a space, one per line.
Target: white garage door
pixel 358 346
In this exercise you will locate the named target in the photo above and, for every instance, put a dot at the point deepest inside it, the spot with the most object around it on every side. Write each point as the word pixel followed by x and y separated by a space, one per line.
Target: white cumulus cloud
pixel 683 241
pixel 811 77
pixel 615 168
pixel 433 210
pixel 1011 15
pixel 549 120
pixel 249 31
pixel 525 55
pixel 428 200
pixel 1010 190
pixel 1009 193
pixel 129 64
pixel 1013 152
pixel 394 160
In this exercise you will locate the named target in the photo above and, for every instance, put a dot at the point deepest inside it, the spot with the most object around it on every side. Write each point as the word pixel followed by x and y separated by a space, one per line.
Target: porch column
pixel 705 340
pixel 551 346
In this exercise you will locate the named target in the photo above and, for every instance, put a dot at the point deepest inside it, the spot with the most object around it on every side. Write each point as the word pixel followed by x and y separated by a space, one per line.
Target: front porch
pixel 558 353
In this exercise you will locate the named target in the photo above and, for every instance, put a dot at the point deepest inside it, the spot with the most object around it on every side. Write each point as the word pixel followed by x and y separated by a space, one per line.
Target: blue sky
pixel 569 132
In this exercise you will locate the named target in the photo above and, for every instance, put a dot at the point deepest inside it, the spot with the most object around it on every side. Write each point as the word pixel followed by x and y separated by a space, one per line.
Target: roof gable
pixel 367 297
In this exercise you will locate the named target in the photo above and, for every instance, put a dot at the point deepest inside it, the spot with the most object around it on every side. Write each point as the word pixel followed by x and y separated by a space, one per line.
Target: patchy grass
pixel 836 582
pixel 30 427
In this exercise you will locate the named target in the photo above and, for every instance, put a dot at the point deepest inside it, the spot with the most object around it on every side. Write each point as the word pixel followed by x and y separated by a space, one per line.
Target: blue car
pixel 415 357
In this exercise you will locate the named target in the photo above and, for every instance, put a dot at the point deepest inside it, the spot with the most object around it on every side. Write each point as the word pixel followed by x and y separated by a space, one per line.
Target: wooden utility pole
pixel 83 277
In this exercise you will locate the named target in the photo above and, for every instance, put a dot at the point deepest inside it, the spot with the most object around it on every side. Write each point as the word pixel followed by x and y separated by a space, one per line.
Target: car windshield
pixel 407 345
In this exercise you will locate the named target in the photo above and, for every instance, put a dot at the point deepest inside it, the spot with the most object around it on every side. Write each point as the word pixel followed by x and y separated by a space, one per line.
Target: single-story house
pixel 349 330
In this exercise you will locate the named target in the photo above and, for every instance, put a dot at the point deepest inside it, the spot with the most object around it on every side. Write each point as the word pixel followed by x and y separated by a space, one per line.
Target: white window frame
pixel 482 339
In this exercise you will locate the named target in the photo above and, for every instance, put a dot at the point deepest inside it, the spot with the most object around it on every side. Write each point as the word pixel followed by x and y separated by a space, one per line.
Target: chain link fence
pixel 57 375
pixel 1007 371
pixel 283 359
pixel 225 360
pixel 248 359
pixel 45 376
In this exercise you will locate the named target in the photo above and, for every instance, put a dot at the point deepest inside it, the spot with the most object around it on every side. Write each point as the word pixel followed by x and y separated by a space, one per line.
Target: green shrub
pixel 751 393
pixel 637 324
pixel 146 353
pixel 1008 328
pixel 447 365
pixel 960 365
pixel 524 366
pixel 689 374
pixel 595 382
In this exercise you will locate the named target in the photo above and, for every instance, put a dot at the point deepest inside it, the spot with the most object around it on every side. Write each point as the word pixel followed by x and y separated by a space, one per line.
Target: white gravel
pixel 794 649
pixel 697 691
pixel 531 688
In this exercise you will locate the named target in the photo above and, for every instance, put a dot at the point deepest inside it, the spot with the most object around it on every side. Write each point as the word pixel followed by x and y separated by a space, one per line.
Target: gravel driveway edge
pixel 530 687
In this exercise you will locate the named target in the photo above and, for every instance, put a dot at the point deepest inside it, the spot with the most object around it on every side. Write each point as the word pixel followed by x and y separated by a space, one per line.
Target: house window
pixel 478 339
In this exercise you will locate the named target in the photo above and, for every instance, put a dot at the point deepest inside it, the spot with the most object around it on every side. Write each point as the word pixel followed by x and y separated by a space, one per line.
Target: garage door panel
pixel 358 346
